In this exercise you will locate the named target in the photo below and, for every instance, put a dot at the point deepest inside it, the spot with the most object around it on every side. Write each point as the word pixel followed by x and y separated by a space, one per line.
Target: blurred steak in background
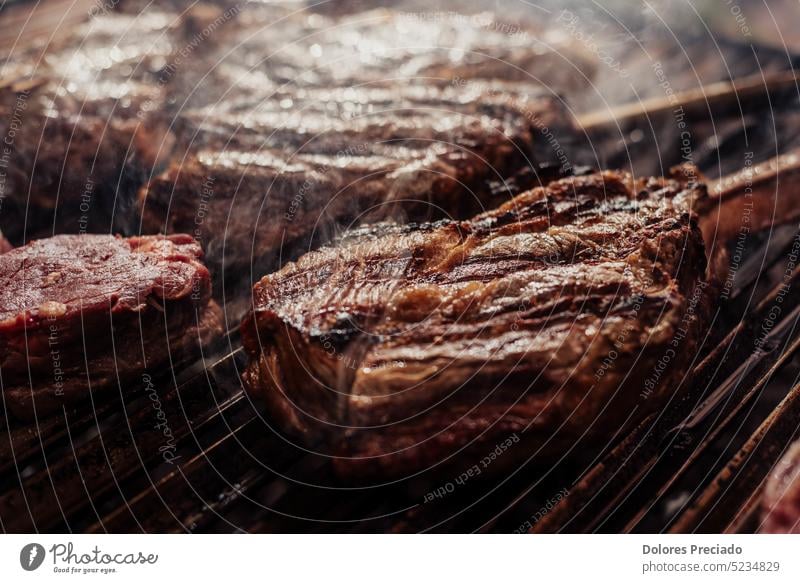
pixel 84 124
pixel 301 121
pixel 297 168
pixel 303 124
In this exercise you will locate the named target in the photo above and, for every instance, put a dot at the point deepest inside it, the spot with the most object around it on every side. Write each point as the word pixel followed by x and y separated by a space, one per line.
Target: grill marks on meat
pixel 79 312
pixel 300 121
pixel 420 340
pixel 84 121
pixel 303 123
pixel 278 175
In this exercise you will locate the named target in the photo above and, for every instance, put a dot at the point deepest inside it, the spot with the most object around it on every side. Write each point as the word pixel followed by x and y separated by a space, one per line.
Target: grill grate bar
pixel 24 440
pixel 706 435
pixel 735 491
pixel 201 482
pixel 82 475
pixel 593 502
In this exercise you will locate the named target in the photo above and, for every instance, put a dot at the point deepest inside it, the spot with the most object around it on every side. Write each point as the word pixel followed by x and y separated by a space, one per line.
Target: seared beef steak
pixel 260 176
pixel 85 124
pixel 546 317
pixel 292 131
pixel 782 495
pixel 95 116
pixel 78 313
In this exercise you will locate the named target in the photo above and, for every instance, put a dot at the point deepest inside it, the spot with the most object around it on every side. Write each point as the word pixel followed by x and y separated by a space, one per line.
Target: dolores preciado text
pixel 691 549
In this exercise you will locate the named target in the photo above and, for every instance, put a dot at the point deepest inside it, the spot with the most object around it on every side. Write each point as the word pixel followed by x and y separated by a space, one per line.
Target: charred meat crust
pixel 547 317
pixel 79 312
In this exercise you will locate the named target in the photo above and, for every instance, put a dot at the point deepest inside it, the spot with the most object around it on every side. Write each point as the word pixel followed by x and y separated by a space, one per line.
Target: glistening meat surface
pixel 261 176
pixel 85 123
pixel 297 124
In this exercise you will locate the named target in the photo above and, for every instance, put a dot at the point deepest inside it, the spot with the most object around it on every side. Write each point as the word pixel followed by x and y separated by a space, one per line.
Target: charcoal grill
pixel 697 465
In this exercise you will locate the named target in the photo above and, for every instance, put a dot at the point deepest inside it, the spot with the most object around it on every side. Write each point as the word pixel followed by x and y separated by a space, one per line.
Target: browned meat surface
pixel 303 123
pixel 80 313
pixel 382 96
pixel 545 318
pixel 84 124
pixel 259 176
pixel 781 502
pixel 394 47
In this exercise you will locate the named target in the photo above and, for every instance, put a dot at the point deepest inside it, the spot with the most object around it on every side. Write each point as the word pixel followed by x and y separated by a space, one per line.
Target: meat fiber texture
pixel 547 319
pixel 294 131
pixel 84 313
pixel 781 502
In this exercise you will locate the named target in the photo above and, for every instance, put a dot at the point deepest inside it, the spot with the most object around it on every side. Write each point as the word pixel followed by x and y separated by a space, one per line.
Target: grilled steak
pixel 82 125
pixel 545 318
pixel 781 502
pixel 259 176
pixel 93 118
pixel 82 313
pixel 293 130
pixel 87 118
